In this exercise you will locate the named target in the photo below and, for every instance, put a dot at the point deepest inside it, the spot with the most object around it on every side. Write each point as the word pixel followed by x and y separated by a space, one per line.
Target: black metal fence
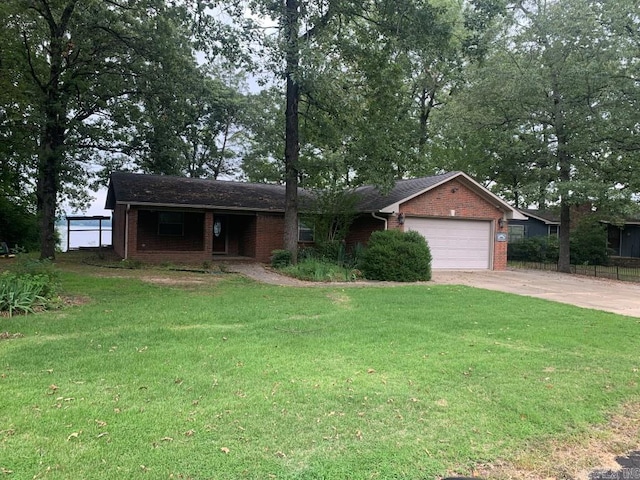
pixel 627 274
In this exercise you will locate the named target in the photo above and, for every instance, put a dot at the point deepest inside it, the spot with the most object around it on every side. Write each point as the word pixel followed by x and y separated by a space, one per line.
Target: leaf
pixel 73 435
pixel 224 450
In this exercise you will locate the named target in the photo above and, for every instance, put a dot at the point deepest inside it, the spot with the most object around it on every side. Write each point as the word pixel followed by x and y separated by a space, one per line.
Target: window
pixel 553 230
pixel 305 233
pixel 171 223
pixel 516 233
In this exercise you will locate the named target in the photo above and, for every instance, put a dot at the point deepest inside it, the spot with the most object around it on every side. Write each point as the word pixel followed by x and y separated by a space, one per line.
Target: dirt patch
pixel 599 450
pixel 174 281
pixel 10 336
pixel 75 300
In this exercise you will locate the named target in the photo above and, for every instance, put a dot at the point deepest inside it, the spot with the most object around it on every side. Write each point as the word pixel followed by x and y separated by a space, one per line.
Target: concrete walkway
pixel 600 294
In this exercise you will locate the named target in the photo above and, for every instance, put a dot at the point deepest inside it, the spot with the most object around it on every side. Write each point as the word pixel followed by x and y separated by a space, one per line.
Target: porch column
pixel 208 232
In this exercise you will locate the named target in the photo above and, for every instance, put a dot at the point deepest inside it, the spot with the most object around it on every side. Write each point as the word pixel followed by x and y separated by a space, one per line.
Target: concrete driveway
pixel 600 294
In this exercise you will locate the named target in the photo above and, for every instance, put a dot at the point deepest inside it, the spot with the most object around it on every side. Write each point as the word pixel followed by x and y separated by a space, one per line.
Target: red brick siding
pixel 361 229
pixel 269 235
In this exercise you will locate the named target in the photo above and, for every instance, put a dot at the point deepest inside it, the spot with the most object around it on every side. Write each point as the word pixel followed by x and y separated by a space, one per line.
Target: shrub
pixel 589 243
pixel 280 258
pixel 534 249
pixel 396 256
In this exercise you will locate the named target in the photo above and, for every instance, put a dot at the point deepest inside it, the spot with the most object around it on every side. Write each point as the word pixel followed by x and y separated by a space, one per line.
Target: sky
pixel 96 207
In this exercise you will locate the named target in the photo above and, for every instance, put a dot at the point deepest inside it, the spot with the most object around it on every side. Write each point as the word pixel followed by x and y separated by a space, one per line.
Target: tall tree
pixel 79 61
pixel 539 114
pixel 351 105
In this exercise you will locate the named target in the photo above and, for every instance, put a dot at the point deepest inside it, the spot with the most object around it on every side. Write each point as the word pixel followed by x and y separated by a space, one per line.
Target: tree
pixel 82 66
pixel 541 114
pixel 357 90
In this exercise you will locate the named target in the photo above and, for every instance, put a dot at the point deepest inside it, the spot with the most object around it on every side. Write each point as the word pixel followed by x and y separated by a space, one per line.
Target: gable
pixel 451 199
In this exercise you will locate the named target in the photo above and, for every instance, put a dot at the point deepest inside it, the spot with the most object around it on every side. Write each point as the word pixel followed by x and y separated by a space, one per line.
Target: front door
pixel 219 234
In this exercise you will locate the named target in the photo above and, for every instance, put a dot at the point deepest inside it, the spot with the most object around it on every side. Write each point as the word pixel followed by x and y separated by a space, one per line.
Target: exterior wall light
pixel 401 218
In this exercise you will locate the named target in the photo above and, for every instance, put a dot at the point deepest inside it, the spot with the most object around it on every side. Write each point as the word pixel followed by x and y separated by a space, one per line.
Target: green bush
pixel 589 243
pixel 396 256
pixel 18 225
pixel 280 258
pixel 534 249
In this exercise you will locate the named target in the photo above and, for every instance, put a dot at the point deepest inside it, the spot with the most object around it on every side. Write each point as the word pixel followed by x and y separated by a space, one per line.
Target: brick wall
pixel 146 245
pixel 361 229
pixel 269 235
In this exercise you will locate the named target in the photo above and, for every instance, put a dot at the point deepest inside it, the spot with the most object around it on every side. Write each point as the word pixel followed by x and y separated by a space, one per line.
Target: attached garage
pixel 455 244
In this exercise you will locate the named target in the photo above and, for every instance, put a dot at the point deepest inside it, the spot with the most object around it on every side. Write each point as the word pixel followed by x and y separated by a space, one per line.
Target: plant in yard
pixel 589 242
pixel 280 258
pixel 535 249
pixel 23 293
pixel 398 256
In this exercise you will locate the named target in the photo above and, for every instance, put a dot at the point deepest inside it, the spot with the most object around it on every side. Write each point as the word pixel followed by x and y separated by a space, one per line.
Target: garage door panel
pixel 455 244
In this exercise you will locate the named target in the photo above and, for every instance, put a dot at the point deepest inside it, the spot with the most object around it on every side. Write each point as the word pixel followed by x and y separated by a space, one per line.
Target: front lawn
pixel 188 376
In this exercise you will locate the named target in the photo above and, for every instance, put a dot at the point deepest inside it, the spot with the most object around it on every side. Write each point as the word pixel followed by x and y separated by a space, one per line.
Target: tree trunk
pixel 51 149
pixel 292 147
pixel 564 176
pixel 564 258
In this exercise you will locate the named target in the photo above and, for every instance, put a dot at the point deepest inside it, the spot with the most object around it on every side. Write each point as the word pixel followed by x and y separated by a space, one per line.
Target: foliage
pixel 22 293
pixel 331 213
pixel 328 382
pixel 77 73
pixel 280 258
pixel 546 117
pixel 589 242
pixel 18 224
pixel 588 245
pixel 541 249
pixel 30 285
pixel 320 270
pixel 398 256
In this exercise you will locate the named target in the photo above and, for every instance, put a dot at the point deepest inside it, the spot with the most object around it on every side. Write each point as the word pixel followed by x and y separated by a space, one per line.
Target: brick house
pixel 162 218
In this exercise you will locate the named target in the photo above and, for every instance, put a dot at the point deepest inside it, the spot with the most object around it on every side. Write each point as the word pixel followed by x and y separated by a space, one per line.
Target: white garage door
pixel 455 243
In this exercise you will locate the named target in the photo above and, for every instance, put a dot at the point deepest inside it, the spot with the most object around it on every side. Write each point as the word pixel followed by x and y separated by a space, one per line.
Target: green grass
pixel 151 381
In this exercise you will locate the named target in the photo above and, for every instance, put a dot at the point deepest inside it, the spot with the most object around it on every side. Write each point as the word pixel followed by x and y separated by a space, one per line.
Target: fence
pixel 613 272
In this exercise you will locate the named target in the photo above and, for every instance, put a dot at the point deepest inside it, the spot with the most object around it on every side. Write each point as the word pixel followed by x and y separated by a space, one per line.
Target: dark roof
pixel 546 216
pixel 165 190
pixel 169 191
pixel 372 200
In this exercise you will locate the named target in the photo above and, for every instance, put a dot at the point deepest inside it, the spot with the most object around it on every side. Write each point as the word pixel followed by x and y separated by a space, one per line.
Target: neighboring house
pixel 163 218
pixel 536 223
pixel 624 241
